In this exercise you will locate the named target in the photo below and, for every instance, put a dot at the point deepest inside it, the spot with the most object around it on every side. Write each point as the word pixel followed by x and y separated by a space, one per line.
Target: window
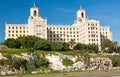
pixel 82 15
pixel 35 13
pixel 88 24
pixel 89 39
pixel 88 28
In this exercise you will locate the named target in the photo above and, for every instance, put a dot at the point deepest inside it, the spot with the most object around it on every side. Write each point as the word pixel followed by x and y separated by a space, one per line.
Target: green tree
pixel 115 60
pixel 12 43
pixel 109 46
pixel 90 47
pixel 118 49
pixel 28 41
pixel 42 45
pixel 72 43
pixel 65 47
pixel 79 46
pixel 56 46
pixel 85 57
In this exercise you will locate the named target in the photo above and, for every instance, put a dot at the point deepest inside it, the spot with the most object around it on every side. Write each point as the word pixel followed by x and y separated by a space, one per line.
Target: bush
pixel 115 60
pixel 42 45
pixel 65 47
pixel 12 43
pixel 91 48
pixel 41 62
pixel 67 62
pixel 56 46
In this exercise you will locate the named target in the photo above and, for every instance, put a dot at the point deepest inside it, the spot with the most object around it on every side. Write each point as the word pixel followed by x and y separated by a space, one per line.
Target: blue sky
pixel 61 12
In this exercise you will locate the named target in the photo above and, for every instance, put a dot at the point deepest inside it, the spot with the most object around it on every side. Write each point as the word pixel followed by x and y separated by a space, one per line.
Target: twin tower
pixel 83 30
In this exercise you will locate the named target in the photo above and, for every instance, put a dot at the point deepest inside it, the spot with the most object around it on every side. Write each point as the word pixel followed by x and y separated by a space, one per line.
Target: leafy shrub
pixel 115 60
pixel 67 62
pixel 56 46
pixel 41 62
pixel 42 45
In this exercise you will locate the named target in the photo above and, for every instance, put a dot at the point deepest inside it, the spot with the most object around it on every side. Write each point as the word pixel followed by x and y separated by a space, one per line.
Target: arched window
pixel 35 13
pixel 82 15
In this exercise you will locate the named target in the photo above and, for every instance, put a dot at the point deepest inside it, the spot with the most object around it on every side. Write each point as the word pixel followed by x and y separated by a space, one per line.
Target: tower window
pixel 35 13
pixel 82 15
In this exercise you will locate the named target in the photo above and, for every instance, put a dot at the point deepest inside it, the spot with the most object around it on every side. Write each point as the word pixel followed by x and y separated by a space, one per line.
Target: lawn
pixel 11 51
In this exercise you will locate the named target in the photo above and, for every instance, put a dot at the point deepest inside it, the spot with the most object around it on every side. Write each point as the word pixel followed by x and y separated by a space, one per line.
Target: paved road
pixel 101 74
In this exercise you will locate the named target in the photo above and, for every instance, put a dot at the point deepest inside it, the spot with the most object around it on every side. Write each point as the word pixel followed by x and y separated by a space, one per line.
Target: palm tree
pixel 72 43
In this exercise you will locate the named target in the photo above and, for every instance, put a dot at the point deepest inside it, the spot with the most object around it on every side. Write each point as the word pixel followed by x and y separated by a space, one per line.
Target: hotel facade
pixel 83 30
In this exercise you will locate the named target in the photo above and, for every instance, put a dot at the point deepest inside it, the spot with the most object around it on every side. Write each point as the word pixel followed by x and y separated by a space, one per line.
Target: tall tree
pixel 65 47
pixel 109 46
pixel 72 43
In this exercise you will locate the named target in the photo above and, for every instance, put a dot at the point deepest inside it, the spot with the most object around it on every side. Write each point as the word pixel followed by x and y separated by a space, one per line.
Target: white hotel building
pixel 83 30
